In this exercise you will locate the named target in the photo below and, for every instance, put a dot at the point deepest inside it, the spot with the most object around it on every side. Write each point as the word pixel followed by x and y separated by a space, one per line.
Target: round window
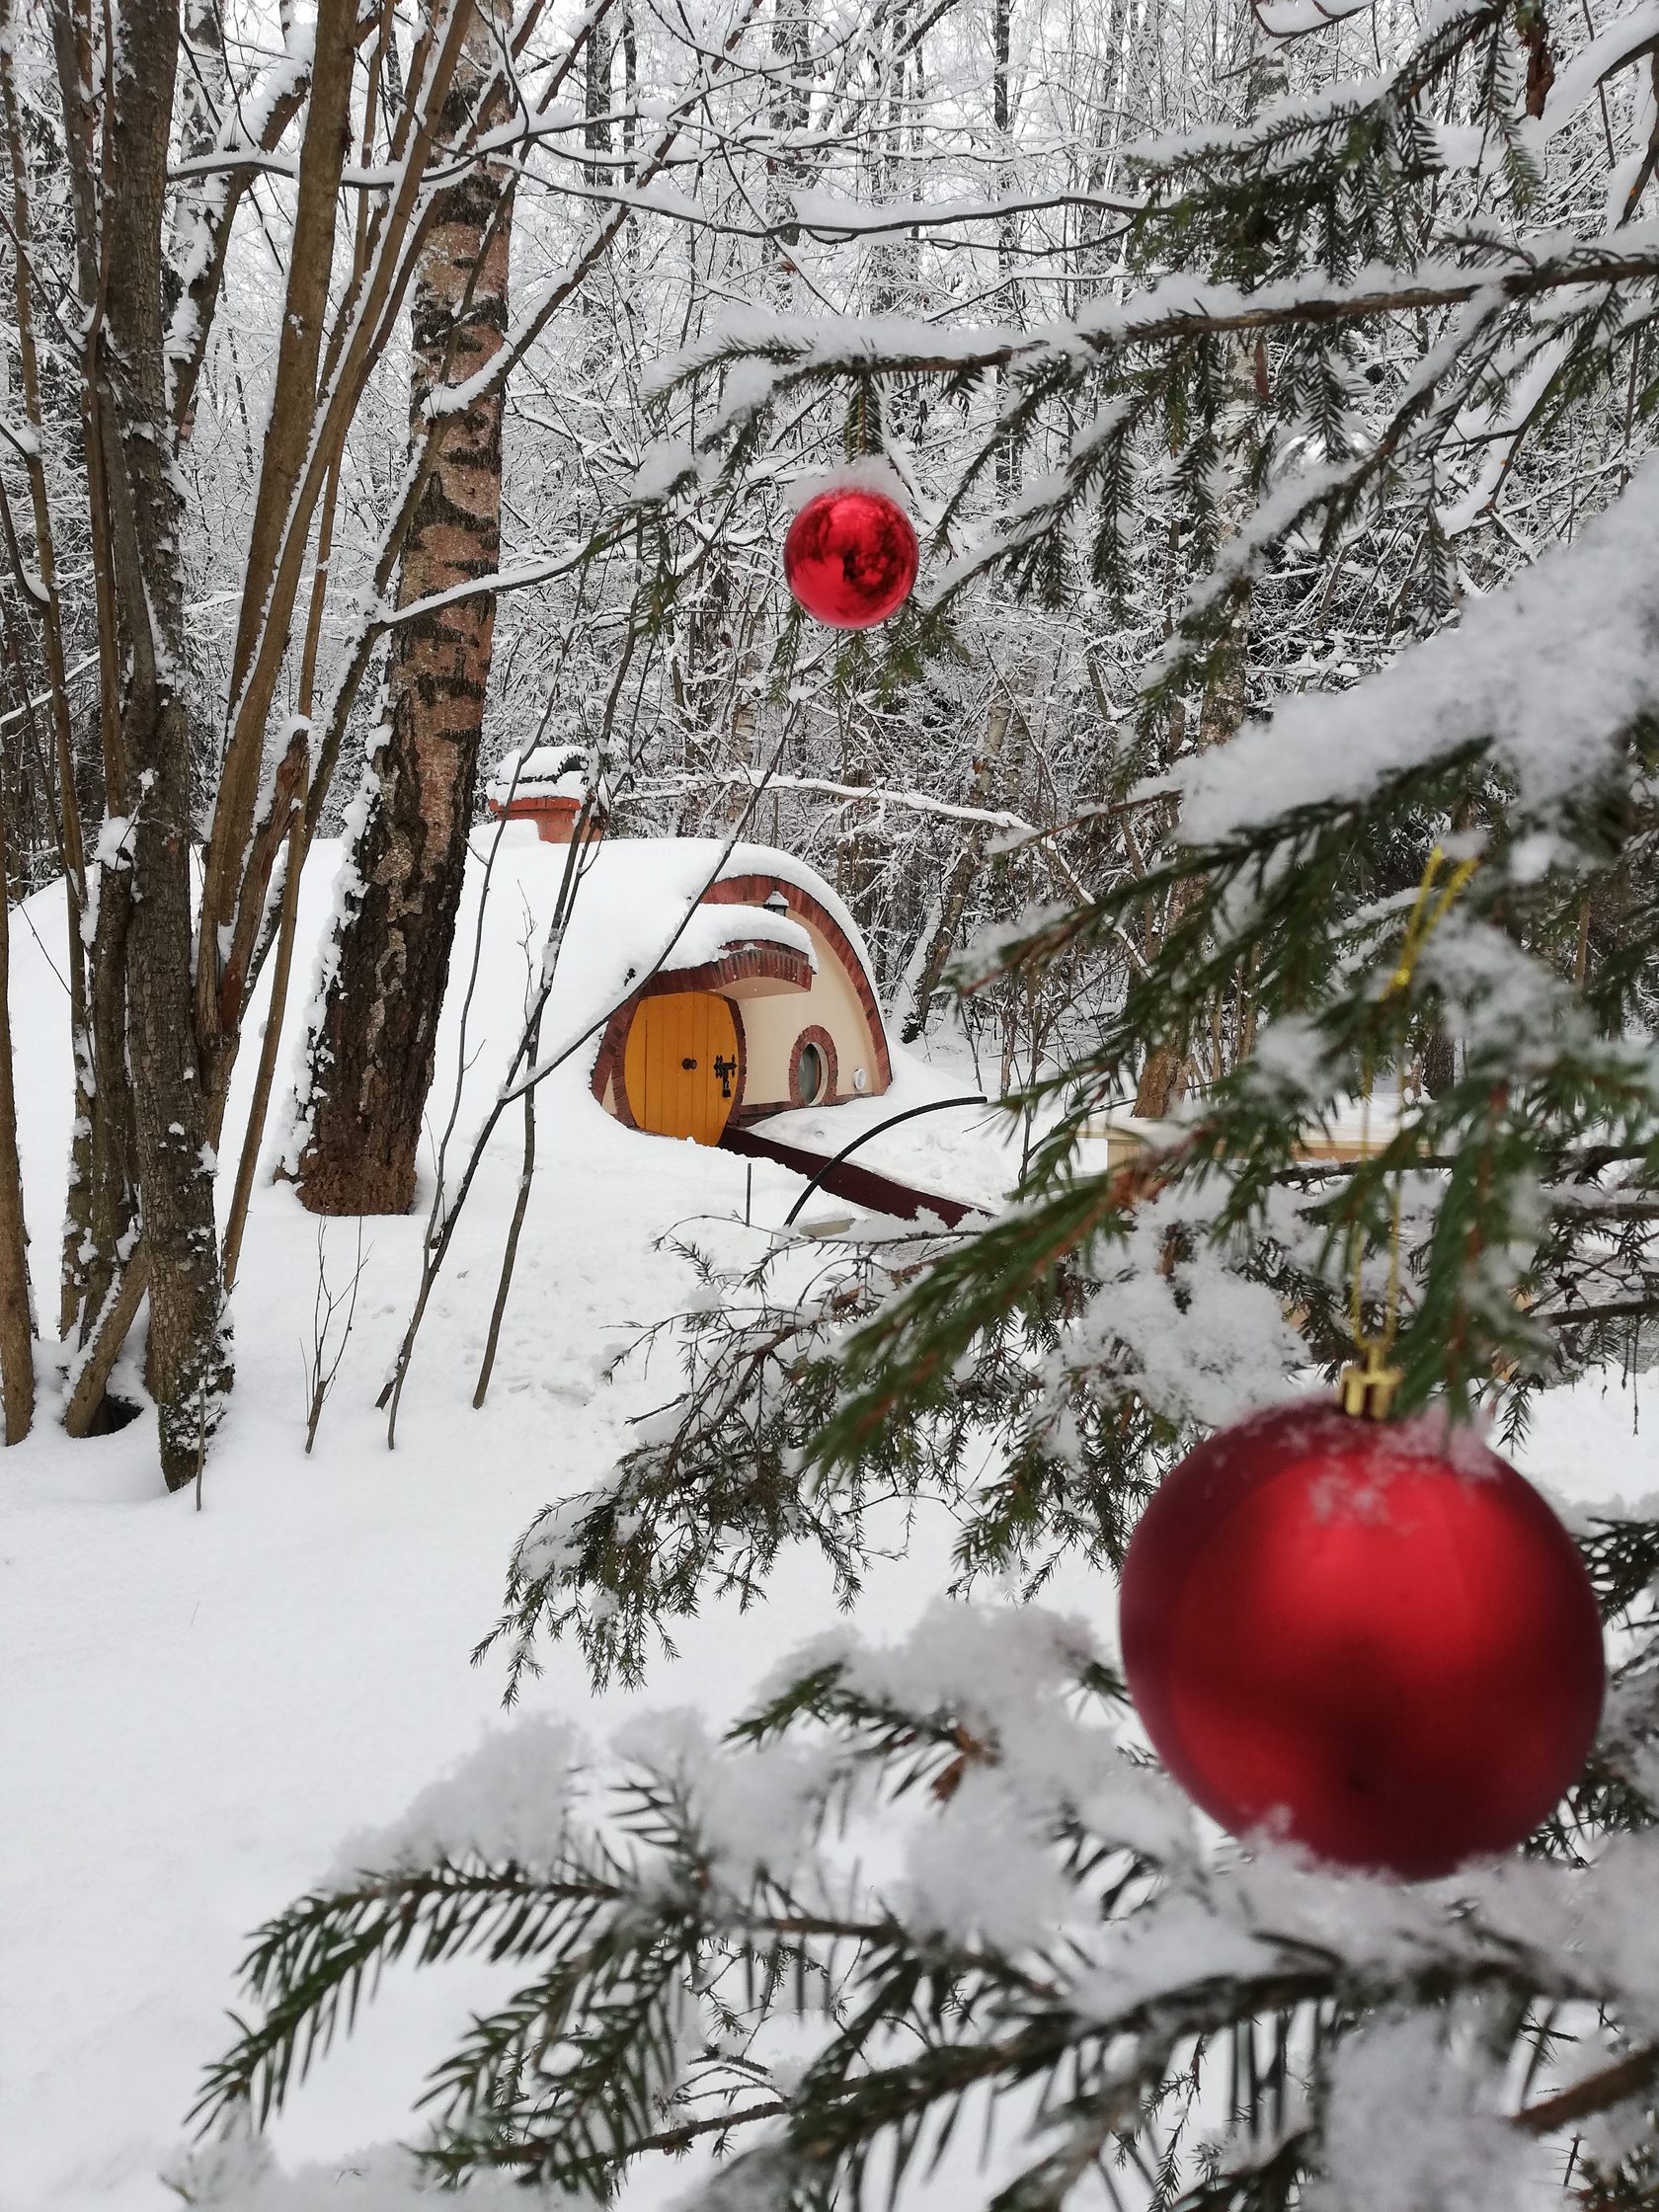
pixel 811 1074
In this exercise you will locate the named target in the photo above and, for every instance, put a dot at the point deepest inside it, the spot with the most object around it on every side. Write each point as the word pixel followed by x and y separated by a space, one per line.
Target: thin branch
pixel 1620 2083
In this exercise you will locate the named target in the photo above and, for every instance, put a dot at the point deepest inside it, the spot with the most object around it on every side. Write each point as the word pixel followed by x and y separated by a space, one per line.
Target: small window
pixel 811 1074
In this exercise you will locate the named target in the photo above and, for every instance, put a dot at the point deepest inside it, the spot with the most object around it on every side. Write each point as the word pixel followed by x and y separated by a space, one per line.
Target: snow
pixel 543 771
pixel 111 850
pixel 212 1704
pixel 1454 2155
pixel 969 1152
pixel 383 2180
pixel 762 352
pixel 507 1800
pixel 869 472
pixel 207 1709
pixel 1204 1345
pixel 715 930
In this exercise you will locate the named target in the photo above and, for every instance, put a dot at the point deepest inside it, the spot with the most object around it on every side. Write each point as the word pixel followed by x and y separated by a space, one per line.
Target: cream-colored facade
pixel 773 1026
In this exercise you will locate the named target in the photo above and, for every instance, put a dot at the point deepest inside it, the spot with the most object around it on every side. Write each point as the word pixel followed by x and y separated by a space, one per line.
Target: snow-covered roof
pixel 543 771
pixel 713 930
pixel 635 895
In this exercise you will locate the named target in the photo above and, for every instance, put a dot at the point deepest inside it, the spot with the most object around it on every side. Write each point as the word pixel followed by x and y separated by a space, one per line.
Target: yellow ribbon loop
pixel 1367 1384
pixel 1424 920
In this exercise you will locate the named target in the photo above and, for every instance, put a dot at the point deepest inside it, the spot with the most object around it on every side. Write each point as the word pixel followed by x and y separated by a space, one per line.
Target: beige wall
pixel 772 1024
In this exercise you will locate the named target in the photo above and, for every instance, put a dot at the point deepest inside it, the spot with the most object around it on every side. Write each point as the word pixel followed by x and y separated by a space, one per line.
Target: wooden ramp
pixel 861 1186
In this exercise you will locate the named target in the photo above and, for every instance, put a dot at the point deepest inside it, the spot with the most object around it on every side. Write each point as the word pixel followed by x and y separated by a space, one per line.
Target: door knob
pixel 688 1063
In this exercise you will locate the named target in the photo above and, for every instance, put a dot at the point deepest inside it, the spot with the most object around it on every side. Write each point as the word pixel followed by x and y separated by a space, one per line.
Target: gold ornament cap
pixel 1368 1386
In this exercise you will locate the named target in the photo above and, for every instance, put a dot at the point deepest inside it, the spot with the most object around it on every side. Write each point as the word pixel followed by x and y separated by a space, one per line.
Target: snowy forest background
pixel 964 171
pixel 1271 388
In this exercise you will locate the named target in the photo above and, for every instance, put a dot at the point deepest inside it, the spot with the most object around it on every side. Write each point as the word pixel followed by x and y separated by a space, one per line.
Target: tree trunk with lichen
pixel 148 958
pixel 372 1055
pixel 16 1312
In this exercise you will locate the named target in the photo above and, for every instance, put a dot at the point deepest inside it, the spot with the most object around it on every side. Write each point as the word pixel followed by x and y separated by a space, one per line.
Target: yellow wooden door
pixel 680 1066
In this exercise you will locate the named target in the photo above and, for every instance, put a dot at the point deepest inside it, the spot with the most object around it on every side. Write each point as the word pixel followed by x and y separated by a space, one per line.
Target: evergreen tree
pixel 929 1889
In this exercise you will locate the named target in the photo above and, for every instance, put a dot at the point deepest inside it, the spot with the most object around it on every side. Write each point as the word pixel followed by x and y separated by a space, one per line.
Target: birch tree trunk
pixel 372 1056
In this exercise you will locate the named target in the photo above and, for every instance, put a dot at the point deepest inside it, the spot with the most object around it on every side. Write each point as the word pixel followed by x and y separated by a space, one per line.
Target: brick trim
pixel 741 1085
pixel 755 891
pixel 608 1066
pixel 526 803
pixel 741 962
pixel 830 1093
pixel 552 815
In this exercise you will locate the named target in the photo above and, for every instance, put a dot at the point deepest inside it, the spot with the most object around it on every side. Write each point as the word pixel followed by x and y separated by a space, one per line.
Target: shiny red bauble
pixel 850 557
pixel 1371 1638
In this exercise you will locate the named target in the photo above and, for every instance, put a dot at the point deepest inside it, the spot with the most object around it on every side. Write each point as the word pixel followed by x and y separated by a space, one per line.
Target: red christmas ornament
pixel 1371 1637
pixel 850 557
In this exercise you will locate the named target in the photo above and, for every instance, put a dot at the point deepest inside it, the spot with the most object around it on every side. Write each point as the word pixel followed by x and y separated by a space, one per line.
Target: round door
pixel 680 1066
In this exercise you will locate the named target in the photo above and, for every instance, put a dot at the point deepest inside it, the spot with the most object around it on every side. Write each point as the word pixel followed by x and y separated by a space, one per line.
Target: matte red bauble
pixel 1372 1638
pixel 850 557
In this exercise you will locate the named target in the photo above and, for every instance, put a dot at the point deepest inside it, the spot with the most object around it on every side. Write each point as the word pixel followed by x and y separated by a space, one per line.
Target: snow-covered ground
pixel 203 1700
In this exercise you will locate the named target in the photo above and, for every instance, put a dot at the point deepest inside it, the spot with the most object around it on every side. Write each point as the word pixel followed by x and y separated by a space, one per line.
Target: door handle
pixel 688 1063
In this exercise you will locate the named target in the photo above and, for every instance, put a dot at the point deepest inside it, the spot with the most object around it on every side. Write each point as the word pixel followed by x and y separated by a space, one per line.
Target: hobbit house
pixel 763 1002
